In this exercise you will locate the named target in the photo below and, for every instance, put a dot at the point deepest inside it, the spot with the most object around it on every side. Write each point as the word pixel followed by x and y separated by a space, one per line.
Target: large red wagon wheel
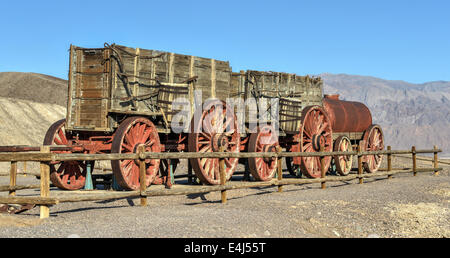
pixel 374 141
pixel 213 128
pixel 132 133
pixel 343 163
pixel 315 132
pixel 66 175
pixel 265 140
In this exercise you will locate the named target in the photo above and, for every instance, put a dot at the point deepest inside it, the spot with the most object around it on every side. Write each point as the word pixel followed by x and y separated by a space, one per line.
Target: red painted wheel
pixel 265 140
pixel 373 141
pixel 66 175
pixel 212 128
pixel 133 132
pixel 343 163
pixel 315 132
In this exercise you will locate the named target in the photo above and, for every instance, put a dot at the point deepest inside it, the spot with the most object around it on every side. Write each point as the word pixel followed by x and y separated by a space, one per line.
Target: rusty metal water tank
pixel 347 116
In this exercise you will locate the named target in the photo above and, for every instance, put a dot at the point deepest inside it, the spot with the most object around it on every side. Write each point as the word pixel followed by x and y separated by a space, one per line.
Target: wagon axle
pixel 318 141
pixel 219 142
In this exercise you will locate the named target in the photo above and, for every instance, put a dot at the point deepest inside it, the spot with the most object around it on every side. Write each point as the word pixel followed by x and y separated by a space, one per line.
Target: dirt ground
pixel 404 206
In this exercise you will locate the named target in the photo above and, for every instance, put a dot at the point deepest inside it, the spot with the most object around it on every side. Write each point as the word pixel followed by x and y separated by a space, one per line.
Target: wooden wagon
pixel 120 98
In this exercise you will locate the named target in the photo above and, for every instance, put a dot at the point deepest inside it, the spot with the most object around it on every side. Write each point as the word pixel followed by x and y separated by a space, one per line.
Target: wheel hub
pixel 269 148
pixel 318 141
pixel 218 141
pixel 146 149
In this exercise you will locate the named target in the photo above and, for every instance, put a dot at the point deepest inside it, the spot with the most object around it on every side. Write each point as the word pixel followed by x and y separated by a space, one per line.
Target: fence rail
pixel 30 156
pixel 45 156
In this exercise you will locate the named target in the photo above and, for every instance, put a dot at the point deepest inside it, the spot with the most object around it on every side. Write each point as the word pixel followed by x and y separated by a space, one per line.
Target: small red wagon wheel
pixel 132 133
pixel 343 163
pixel 66 175
pixel 212 129
pixel 315 132
pixel 265 140
pixel 374 141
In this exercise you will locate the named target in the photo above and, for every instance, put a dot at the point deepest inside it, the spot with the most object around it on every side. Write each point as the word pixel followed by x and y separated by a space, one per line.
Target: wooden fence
pixel 45 156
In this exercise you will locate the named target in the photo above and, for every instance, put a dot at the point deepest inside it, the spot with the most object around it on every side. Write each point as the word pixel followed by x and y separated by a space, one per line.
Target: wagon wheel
pixel 211 129
pixel 265 140
pixel 66 175
pixel 343 163
pixel 315 132
pixel 132 133
pixel 373 141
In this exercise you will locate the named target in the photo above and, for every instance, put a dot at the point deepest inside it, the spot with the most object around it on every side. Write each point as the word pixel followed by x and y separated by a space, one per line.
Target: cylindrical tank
pixel 347 116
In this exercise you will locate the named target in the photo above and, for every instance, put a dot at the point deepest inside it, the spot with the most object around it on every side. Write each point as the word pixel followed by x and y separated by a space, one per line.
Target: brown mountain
pixel 29 104
pixel 33 87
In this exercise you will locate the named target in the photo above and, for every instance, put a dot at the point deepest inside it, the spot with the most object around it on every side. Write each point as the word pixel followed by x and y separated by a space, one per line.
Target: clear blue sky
pixel 397 40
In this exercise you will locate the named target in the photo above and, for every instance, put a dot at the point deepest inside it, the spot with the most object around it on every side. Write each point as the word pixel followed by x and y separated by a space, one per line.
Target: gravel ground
pixel 404 206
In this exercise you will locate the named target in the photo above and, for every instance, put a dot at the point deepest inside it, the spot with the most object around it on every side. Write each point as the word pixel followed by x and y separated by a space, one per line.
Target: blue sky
pixel 398 40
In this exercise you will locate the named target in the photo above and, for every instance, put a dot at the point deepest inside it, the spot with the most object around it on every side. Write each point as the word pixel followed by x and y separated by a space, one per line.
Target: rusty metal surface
pixel 347 116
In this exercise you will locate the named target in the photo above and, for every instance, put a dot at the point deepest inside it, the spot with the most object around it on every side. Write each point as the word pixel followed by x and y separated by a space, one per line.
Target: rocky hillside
pixel 29 104
pixel 33 87
pixel 410 114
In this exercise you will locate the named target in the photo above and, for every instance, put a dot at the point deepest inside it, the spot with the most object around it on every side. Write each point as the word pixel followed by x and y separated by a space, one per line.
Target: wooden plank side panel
pixel 89 89
pixel 173 100
pixel 290 115
pixel 139 89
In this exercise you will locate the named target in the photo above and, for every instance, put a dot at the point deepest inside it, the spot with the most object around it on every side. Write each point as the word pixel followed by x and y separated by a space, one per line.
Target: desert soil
pixel 405 206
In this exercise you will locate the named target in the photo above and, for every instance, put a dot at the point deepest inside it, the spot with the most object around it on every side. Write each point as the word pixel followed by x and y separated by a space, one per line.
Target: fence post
pixel 414 160
pixel 322 169
pixel 279 170
pixel 223 176
pixel 360 168
pixel 436 172
pixel 45 184
pixel 13 177
pixel 25 168
pixel 389 161
pixel 142 170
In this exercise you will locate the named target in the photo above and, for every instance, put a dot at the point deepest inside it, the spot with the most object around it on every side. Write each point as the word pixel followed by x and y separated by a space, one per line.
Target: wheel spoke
pixel 146 134
pixel 62 136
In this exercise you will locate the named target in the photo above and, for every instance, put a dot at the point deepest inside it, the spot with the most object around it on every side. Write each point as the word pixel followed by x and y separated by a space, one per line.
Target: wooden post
pixel 45 184
pixel 360 168
pixel 13 177
pixel 142 181
pixel 414 160
pixel 322 169
pixel 280 171
pixel 25 168
pixel 223 176
pixel 436 172
pixel 389 162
